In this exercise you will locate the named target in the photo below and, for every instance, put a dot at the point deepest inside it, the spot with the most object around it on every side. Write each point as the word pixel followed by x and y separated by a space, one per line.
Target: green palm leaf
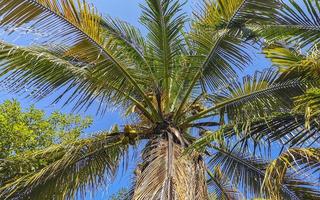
pixel 224 50
pixel 297 22
pixel 245 171
pixel 48 69
pixel 77 27
pixel 293 63
pixel 219 43
pixel 294 164
pixel 308 103
pixel 71 169
pixel 127 37
pixel 220 186
pixel 287 129
pixel 250 173
pixel 164 20
pixel 255 96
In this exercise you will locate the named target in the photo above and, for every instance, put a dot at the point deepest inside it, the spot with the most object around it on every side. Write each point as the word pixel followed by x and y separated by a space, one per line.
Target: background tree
pixel 25 132
pixel 30 130
pixel 120 195
pixel 203 132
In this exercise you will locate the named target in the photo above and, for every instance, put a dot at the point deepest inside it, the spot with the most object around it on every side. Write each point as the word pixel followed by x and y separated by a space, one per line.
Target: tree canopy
pixel 29 130
pixel 201 129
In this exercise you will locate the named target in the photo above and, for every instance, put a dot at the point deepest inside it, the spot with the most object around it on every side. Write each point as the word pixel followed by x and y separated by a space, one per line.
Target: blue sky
pixel 127 10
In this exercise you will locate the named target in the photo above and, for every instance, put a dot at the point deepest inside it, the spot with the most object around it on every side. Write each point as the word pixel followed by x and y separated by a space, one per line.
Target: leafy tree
pixel 120 195
pixel 204 133
pixel 30 130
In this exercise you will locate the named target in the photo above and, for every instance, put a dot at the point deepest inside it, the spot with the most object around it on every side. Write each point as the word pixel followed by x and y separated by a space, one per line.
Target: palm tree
pixel 203 133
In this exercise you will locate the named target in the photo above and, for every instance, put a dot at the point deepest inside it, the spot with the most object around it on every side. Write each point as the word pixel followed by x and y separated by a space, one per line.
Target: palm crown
pixel 205 134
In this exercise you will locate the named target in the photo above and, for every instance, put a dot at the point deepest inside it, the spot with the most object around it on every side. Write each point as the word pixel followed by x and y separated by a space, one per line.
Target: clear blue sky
pixel 127 10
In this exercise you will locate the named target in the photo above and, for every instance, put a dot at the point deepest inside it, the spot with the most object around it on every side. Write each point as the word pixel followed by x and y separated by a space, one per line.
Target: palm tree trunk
pixel 167 174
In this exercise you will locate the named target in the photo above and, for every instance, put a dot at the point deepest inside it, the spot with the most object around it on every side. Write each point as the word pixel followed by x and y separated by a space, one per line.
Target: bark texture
pixel 167 174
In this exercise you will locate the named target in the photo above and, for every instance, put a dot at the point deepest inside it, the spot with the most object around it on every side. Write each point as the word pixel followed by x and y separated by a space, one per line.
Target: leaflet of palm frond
pixel 249 172
pixel 126 36
pixel 217 40
pixel 297 22
pixel 82 165
pixel 220 186
pixel 166 174
pixel 287 129
pixel 291 168
pixel 281 55
pixel 244 170
pixel 294 64
pixel 308 103
pixel 255 96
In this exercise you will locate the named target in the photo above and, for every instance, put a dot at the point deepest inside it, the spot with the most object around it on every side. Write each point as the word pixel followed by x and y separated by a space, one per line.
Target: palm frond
pixel 220 186
pixel 227 54
pixel 294 168
pixel 235 13
pixel 225 49
pixel 288 130
pixel 297 22
pixel 308 103
pixel 127 37
pixel 41 70
pixel 255 96
pixel 71 169
pixel 77 26
pixel 293 63
pixel 219 43
pixel 250 173
pixel 302 187
pixel 245 171
pixel 164 19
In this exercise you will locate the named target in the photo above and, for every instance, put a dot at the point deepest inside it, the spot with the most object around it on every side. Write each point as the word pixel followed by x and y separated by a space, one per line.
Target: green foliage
pixel 180 83
pixel 292 164
pixel 72 168
pixel 28 130
pixel 297 23
pixel 120 195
